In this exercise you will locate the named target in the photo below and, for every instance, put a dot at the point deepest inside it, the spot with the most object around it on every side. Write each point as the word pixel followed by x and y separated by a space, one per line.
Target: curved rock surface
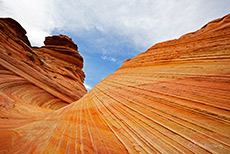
pixel 35 81
pixel 174 98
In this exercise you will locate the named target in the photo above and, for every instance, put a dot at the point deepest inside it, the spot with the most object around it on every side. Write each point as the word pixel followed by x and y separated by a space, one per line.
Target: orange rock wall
pixel 31 78
pixel 55 68
pixel 174 98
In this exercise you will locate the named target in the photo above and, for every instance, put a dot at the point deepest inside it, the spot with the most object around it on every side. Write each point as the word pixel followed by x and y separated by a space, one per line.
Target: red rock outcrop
pixel 174 98
pixel 35 81
pixel 60 40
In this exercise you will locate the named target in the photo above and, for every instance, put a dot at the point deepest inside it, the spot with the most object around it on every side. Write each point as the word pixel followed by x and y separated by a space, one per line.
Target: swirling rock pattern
pixel 174 98
pixel 31 78
pixel 55 68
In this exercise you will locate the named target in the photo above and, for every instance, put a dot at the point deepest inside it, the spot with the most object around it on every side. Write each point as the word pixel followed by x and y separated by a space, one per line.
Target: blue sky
pixel 102 54
pixel 109 31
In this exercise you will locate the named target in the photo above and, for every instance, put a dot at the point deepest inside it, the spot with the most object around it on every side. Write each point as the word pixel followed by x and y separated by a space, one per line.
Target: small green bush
pixel 31 57
pixel 9 53
pixel 41 63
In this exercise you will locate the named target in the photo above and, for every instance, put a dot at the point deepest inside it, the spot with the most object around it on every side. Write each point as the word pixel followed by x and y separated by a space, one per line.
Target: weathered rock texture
pixel 60 40
pixel 174 98
pixel 35 81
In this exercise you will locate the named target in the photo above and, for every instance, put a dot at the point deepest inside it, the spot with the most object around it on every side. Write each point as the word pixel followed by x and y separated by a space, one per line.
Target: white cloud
pixel 108 58
pixel 36 16
pixel 88 87
pixel 110 24
pixel 140 22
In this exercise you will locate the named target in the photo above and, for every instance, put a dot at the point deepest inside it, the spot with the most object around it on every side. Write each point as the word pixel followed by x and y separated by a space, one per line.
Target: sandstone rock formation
pixel 60 40
pixel 35 81
pixel 174 98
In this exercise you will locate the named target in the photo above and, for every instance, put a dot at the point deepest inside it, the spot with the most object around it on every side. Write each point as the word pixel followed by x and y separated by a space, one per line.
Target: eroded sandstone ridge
pixel 174 98
pixel 36 81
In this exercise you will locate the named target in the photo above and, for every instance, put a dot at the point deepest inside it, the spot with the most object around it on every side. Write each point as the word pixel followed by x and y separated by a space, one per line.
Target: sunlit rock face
pixel 35 81
pixel 174 98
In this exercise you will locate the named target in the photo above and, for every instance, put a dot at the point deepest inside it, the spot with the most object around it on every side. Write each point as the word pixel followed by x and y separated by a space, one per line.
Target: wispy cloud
pixel 108 58
pixel 141 22
pixel 105 57
pixel 123 28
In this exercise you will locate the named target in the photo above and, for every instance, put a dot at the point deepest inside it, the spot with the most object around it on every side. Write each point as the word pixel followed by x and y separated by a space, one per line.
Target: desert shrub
pixel 41 63
pixel 31 57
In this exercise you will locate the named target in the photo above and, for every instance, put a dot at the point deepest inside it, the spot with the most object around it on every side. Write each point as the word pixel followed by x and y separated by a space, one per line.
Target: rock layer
pixel 55 68
pixel 174 98
pixel 60 40
pixel 35 81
